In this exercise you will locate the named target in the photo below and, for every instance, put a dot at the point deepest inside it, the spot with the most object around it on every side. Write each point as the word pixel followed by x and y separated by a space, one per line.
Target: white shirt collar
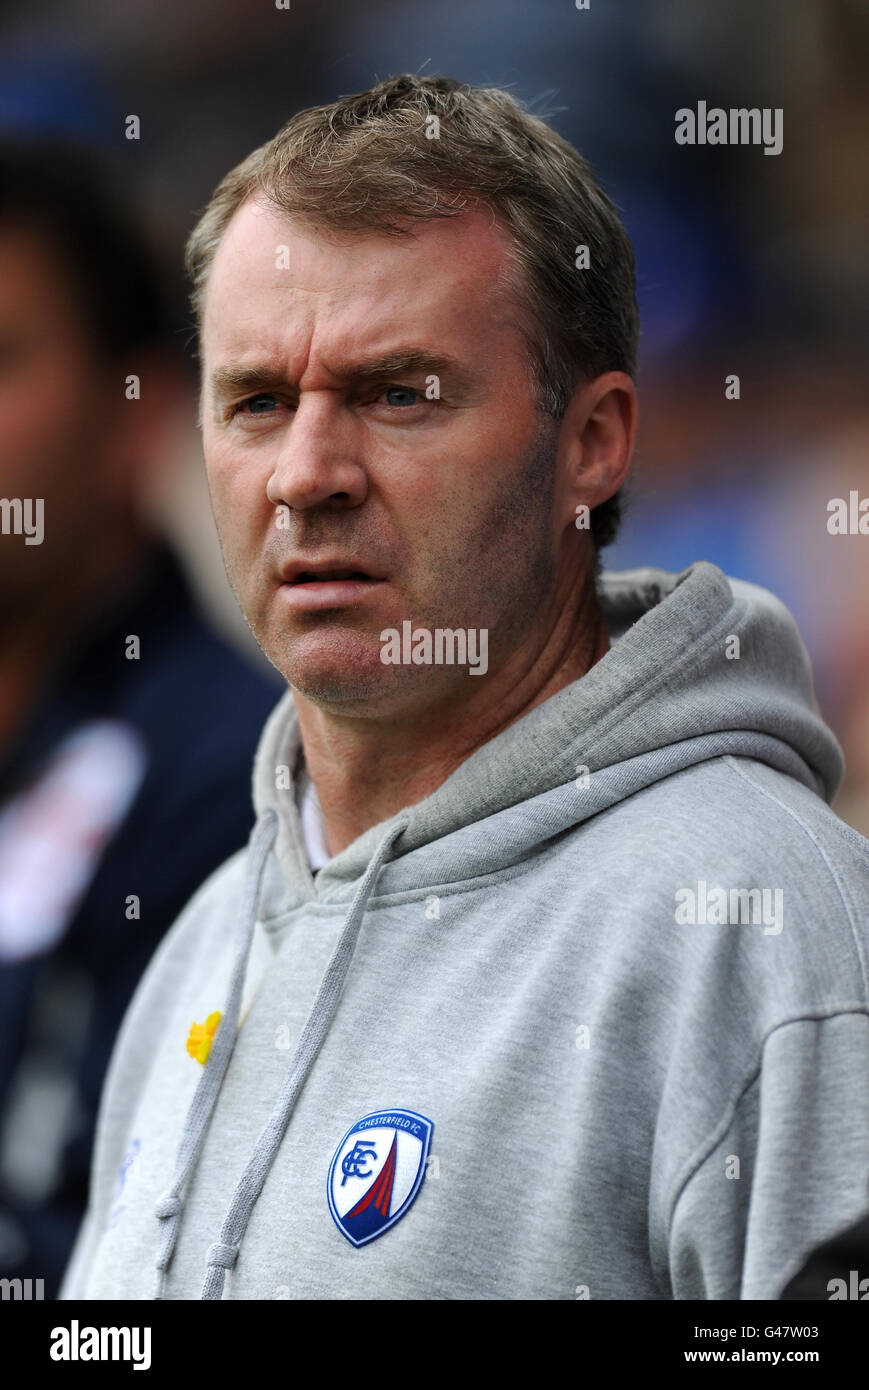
pixel 313 828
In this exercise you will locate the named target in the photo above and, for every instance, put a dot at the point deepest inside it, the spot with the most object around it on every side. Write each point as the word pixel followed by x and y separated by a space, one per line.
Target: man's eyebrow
pixel 402 360
pixel 233 380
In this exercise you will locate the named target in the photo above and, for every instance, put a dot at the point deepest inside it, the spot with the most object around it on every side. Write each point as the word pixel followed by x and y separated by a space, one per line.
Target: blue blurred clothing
pixel 191 710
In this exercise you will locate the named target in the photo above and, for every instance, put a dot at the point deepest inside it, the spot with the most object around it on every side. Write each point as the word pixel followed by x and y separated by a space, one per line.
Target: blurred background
pixel 748 264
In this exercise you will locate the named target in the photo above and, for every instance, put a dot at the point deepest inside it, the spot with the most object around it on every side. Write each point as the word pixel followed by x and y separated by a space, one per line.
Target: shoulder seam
pixel 762 791
pixel 730 1111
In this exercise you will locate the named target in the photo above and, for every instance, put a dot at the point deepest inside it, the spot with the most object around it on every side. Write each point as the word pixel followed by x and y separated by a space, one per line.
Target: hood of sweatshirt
pixel 700 666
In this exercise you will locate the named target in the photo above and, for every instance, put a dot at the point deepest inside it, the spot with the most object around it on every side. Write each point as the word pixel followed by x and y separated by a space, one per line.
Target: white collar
pixel 313 827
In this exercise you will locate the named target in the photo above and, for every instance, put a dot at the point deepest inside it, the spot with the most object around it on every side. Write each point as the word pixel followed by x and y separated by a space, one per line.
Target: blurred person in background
pixel 116 796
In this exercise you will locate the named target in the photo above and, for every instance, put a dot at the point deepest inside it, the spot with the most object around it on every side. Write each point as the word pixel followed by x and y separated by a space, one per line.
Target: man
pixel 116 799
pixel 544 974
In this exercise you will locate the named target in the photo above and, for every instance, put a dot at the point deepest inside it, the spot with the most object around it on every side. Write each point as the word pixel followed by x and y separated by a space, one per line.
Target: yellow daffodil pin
pixel 202 1036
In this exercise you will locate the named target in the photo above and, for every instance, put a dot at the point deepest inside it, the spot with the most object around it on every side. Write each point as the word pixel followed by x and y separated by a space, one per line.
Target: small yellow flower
pixel 201 1037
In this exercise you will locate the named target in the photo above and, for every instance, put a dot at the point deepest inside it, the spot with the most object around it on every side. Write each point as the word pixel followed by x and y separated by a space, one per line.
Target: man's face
pixel 58 406
pixel 324 453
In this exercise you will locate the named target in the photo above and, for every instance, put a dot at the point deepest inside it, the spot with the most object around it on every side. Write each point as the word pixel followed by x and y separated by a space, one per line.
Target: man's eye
pixel 258 405
pixel 401 395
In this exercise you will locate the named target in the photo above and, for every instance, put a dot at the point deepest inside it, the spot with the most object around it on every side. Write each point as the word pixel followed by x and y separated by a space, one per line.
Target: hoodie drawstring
pixel 169 1206
pixel 222 1255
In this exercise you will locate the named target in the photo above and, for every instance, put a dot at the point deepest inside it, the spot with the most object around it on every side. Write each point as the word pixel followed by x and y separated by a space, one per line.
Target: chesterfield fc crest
pixel 377 1172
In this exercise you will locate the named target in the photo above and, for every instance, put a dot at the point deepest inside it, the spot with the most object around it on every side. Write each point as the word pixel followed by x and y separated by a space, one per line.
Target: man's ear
pixel 595 444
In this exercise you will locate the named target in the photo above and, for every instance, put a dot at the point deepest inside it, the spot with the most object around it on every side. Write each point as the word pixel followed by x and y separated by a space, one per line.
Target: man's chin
pixel 339 670
pixel 338 691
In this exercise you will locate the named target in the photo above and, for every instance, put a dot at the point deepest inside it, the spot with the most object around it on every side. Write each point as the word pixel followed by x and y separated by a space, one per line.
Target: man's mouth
pixel 327 585
pixel 321 576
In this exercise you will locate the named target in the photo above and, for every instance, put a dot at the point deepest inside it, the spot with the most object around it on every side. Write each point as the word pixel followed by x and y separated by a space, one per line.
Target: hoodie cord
pixel 169 1206
pixel 222 1255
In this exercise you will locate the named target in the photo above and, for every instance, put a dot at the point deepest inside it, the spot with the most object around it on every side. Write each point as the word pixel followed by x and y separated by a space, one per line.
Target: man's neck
pixel 365 770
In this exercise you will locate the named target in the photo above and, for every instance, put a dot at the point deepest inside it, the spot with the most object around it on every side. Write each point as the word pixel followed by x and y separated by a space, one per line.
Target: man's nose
pixel 319 460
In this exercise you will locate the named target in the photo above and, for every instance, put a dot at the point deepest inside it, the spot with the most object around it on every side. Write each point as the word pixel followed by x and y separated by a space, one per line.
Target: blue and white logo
pixel 377 1171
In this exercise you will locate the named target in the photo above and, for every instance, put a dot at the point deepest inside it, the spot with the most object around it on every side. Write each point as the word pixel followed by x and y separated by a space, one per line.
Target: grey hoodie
pixel 590 1021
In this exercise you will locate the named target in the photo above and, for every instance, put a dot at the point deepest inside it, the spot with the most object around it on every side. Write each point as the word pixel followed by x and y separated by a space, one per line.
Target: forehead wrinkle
pixel 234 377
